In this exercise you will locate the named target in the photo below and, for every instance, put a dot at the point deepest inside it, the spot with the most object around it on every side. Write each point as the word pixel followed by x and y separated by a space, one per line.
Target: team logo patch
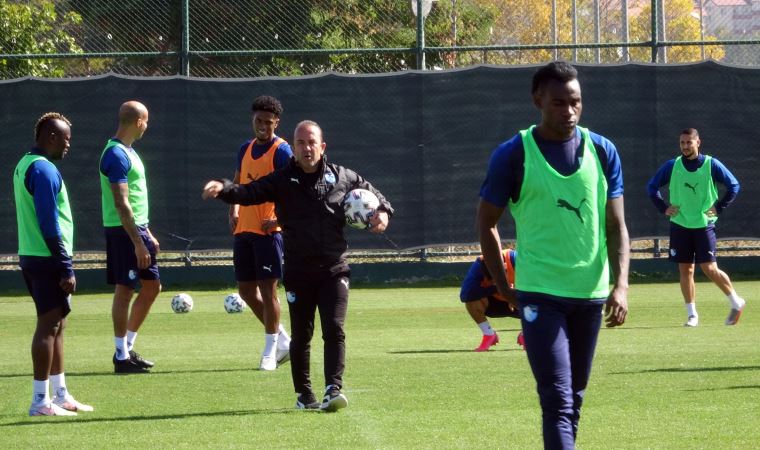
pixel 672 252
pixel 329 178
pixel 291 296
pixel 132 274
pixel 530 313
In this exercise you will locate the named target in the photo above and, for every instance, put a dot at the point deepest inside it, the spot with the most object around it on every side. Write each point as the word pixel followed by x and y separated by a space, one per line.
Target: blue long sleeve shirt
pixel 720 175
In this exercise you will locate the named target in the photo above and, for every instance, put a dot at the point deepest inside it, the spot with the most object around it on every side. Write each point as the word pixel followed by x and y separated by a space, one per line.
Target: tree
pixel 34 27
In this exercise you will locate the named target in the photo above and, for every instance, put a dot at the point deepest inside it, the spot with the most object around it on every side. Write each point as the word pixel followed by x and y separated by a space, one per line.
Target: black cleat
pixel 128 366
pixel 307 401
pixel 136 357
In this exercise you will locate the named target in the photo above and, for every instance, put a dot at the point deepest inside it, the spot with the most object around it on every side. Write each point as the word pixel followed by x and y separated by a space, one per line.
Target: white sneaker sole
pixel 334 404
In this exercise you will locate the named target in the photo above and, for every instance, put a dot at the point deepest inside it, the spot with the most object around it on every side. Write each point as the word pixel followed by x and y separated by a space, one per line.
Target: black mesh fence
pixel 424 139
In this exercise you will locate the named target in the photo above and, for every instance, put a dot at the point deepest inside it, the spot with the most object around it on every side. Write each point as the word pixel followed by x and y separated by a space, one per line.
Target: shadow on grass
pixel 109 373
pixel 689 369
pixel 422 352
pixel 88 418
pixel 730 388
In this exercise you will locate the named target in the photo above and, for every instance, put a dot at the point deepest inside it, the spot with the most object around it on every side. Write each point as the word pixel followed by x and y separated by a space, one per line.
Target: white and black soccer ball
pixel 359 206
pixel 234 304
pixel 182 303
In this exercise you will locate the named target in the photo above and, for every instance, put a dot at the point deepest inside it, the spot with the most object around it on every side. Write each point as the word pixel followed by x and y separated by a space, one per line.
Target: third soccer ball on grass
pixel 233 304
pixel 359 206
pixel 182 303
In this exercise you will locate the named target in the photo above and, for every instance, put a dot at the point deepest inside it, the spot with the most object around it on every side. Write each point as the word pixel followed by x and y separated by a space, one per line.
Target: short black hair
pixel 268 104
pixel 44 122
pixel 561 71
pixel 691 132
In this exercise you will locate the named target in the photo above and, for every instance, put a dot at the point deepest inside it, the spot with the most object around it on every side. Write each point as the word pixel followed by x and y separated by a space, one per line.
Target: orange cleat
pixel 487 342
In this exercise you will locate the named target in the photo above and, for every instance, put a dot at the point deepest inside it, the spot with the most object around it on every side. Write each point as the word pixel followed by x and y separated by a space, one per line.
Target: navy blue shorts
pixel 257 256
pixel 692 245
pixel 500 308
pixel 42 278
pixel 121 262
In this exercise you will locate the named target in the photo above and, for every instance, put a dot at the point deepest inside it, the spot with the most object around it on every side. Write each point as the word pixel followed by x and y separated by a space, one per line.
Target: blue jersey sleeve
pixel 721 174
pixel 501 181
pixel 613 169
pixel 44 182
pixel 241 155
pixel 660 179
pixel 282 156
pixel 115 165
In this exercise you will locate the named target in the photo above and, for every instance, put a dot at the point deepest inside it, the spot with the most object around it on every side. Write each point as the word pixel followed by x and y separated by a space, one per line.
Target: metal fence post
pixel 184 54
pixel 420 37
pixel 654 31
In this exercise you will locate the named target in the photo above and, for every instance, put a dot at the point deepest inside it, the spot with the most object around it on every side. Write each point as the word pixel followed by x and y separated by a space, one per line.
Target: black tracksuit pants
pixel 329 294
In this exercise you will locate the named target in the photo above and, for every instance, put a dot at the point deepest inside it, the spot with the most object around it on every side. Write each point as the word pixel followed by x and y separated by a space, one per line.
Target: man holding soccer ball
pixel 308 196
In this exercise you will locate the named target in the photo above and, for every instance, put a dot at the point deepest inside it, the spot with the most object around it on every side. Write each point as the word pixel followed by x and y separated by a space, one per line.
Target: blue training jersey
pixel 115 164
pixel 506 167
pixel 720 175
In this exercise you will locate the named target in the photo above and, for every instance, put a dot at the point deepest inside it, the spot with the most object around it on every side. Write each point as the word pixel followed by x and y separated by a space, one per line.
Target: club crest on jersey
pixel 132 274
pixel 291 296
pixel 530 313
pixel 329 178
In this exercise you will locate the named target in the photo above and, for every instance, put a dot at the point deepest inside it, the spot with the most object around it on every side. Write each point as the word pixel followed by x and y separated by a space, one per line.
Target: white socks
pixel 691 309
pixel 58 383
pixel 131 338
pixel 40 394
pixel 271 344
pixel 736 301
pixel 486 328
pixel 122 352
pixel 283 338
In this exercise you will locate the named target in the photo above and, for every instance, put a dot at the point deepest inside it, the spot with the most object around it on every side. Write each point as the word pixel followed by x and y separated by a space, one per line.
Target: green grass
pixel 411 379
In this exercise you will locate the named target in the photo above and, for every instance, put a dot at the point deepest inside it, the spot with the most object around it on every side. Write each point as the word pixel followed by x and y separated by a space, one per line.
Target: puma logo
pixel 693 188
pixel 249 177
pixel 267 268
pixel 295 180
pixel 562 203
pixel 345 282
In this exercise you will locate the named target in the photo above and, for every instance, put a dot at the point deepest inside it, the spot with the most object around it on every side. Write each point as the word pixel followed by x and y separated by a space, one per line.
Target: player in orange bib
pixel 482 300
pixel 257 252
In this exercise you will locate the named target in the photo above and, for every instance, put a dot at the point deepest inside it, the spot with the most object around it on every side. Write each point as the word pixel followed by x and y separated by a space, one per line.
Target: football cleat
pixel 307 401
pixel 282 356
pixel 521 340
pixel 735 314
pixel 69 403
pixel 128 366
pixel 487 342
pixel 333 399
pixel 692 321
pixel 268 363
pixel 136 357
pixel 49 410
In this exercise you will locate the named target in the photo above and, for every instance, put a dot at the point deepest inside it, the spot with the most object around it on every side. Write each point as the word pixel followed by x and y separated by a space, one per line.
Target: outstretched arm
pixel 254 193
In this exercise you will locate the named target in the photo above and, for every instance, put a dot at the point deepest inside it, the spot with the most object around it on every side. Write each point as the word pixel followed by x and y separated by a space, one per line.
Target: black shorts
pixel 42 278
pixel 500 308
pixel 692 245
pixel 257 256
pixel 121 262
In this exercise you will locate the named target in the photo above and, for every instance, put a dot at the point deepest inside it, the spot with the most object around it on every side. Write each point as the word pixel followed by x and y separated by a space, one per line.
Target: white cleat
pixel 50 409
pixel 282 355
pixel 69 403
pixel 268 363
pixel 692 321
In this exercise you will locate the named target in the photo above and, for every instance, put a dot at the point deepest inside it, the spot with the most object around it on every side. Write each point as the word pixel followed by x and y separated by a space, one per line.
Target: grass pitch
pixel 411 379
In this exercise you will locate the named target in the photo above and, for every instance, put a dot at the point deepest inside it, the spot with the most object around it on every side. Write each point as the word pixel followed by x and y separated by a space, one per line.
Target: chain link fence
pixel 238 39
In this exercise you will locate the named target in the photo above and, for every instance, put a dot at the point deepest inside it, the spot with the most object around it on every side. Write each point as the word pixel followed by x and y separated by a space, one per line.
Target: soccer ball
pixel 359 206
pixel 182 303
pixel 234 304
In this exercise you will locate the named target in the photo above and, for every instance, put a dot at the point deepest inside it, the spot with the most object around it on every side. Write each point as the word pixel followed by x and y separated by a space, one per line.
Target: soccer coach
pixel 308 196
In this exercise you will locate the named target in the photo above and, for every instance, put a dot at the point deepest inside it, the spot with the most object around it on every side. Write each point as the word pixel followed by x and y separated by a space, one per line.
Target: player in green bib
pixel 563 185
pixel 45 246
pixel 694 207
pixel 130 246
